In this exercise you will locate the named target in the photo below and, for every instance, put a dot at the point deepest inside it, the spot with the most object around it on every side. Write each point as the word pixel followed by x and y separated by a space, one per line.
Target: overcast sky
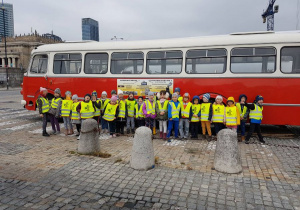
pixel 151 19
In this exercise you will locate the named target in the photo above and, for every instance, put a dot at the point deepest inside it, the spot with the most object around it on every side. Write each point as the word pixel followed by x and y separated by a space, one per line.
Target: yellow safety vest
pixel 87 110
pixel 150 109
pixel 185 112
pixel 231 116
pixel 195 109
pixel 103 104
pixel 75 114
pixel 54 102
pixel 45 104
pixel 218 113
pixel 163 108
pixel 122 109
pixel 66 107
pixel 256 114
pixel 130 107
pixel 180 99
pixel 242 113
pixel 175 111
pixel 139 112
pixel 97 111
pixel 110 112
pixel 205 111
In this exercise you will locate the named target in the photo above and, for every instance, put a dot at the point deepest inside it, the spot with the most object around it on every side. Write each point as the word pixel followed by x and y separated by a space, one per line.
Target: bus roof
pixel 248 38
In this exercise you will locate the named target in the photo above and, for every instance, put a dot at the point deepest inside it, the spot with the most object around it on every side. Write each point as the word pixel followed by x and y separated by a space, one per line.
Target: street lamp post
pixel 5 47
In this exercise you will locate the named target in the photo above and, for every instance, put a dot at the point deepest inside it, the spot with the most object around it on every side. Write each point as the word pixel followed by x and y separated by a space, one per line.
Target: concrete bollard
pixel 89 137
pixel 142 154
pixel 227 155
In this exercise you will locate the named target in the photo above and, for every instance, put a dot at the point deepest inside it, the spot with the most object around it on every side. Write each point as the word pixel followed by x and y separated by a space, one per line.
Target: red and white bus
pixel 259 63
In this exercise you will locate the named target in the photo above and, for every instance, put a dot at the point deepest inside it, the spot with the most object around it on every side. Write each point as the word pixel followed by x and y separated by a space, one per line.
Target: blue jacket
pixel 170 110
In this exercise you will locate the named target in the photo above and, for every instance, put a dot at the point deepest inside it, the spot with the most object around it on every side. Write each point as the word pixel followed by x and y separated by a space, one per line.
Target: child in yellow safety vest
pixel 206 115
pixel 149 111
pixel 218 117
pixel 243 114
pixel 75 116
pixel 195 117
pixel 43 107
pixel 110 114
pixel 86 108
pixel 121 119
pixel 105 101
pixel 256 117
pixel 139 115
pixel 185 117
pixel 97 113
pixel 232 116
pixel 161 110
pixel 173 115
pixel 130 112
pixel 66 107
pixel 55 111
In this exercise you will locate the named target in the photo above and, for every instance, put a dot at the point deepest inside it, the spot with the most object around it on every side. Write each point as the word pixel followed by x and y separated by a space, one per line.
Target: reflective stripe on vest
pixel 175 111
pixel 218 113
pixel 103 105
pixel 130 107
pixel 185 112
pixel 231 116
pixel 242 113
pixel 205 111
pixel 87 110
pixel 139 112
pixel 97 112
pixel 256 114
pixel 75 114
pixel 45 104
pixel 195 109
pixel 54 102
pixel 150 109
pixel 110 112
pixel 66 107
pixel 122 109
pixel 163 108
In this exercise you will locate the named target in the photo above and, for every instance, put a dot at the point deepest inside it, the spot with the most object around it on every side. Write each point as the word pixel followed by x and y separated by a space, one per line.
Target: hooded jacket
pixel 193 101
pixel 243 105
pixel 238 120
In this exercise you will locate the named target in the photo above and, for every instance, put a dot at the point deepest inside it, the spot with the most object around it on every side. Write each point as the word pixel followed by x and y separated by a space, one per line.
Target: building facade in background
pixel 8 19
pixel 90 29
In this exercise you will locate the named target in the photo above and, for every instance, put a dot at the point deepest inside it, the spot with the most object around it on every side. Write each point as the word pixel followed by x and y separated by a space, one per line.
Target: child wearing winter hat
pixel 66 107
pixel 232 116
pixel 95 100
pixel 206 115
pixel 105 101
pixel 86 108
pixel 139 115
pixel 218 117
pixel 130 112
pixel 149 111
pixel 177 91
pixel 185 117
pixel 121 119
pixel 173 115
pixel 243 115
pixel 195 117
pixel 111 112
pixel 161 110
pixel 256 117
pixel 55 111
pixel 75 116
pixel 113 93
pixel 43 107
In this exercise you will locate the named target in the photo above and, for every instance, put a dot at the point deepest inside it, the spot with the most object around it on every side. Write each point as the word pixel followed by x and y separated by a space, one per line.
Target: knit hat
pixel 113 99
pixel 88 95
pixel 68 93
pixel 219 97
pixel 94 93
pixel 57 90
pixel 150 93
pixel 175 95
pixel 113 92
pixel 75 96
pixel 186 95
pixel 120 92
pixel 177 89
pixel 104 93
pixel 259 97
pixel 42 89
pixel 207 96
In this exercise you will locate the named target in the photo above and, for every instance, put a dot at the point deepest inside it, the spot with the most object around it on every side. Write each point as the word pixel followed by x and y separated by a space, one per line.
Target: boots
pixel 132 131
pixel 128 131
pixel 165 136
pixel 243 138
pixel 46 134
pixel 66 132
pixel 160 135
pixel 154 130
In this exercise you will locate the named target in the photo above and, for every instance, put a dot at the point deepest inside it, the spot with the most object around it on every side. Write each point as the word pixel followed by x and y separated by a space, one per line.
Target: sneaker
pixel 57 133
pixel 262 141
pixel 46 134
pixel 247 142
pixel 110 136
pixel 114 136
pixel 78 137
pixel 53 132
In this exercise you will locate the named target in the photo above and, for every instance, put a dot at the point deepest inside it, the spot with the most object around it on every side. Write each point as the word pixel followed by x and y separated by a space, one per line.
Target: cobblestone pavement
pixel 44 173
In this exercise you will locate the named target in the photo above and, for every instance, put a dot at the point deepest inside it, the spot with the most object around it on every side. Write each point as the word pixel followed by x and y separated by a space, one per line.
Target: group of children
pixel 178 117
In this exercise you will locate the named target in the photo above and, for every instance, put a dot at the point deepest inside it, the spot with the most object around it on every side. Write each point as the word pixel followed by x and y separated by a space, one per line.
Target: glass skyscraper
pixel 90 29
pixel 9 20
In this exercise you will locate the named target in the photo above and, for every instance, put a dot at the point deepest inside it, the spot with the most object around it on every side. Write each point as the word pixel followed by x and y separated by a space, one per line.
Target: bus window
pixel 96 63
pixel 67 63
pixel 39 64
pixel 127 63
pixel 253 60
pixel 164 62
pixel 290 60
pixel 211 61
